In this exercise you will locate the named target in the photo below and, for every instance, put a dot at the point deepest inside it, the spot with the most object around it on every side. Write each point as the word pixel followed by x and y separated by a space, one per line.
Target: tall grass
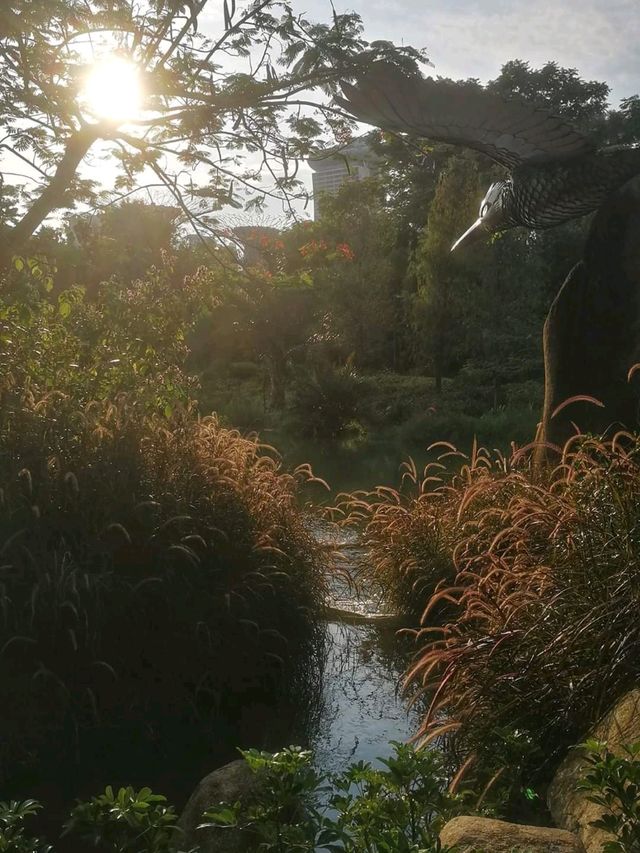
pixel 540 572
pixel 150 568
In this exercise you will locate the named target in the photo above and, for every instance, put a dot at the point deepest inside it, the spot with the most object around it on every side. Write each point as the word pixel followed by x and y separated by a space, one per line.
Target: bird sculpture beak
pixel 477 230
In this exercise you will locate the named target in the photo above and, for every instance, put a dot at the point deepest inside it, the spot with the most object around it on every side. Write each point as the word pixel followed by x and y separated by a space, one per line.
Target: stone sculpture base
pixel 592 332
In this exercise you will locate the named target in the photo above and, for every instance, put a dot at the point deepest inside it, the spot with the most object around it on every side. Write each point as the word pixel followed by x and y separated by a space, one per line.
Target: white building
pixel 331 168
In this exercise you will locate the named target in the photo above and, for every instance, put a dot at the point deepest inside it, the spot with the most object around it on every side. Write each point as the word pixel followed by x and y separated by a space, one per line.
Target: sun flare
pixel 112 89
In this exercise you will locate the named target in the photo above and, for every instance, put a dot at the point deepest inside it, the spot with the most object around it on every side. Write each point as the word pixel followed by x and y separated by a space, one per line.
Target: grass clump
pixel 153 569
pixel 540 573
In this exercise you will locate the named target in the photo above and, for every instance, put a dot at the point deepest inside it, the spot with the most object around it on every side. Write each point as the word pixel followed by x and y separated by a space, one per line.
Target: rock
pixel 592 333
pixel 482 835
pixel 569 807
pixel 230 783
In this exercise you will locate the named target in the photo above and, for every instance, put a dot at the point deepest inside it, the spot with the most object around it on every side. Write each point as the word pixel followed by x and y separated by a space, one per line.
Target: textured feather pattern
pixel 510 132
pixel 543 196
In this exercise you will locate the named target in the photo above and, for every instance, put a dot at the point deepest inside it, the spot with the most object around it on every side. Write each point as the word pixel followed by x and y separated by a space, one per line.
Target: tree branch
pixel 52 197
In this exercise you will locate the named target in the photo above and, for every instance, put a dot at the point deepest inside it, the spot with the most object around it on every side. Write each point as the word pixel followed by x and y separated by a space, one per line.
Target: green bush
pixel 12 830
pixel 497 428
pixel 125 822
pixel 128 339
pixel 325 401
pixel 399 807
pixel 613 782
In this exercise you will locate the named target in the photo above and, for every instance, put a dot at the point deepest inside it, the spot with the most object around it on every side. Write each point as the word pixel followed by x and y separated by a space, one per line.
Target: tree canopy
pixel 233 95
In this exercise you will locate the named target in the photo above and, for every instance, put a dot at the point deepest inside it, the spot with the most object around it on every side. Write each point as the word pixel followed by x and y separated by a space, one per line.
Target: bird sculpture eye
pixel 485 207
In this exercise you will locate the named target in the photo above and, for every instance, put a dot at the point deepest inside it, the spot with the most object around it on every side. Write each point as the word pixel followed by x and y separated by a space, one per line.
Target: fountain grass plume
pixel 538 569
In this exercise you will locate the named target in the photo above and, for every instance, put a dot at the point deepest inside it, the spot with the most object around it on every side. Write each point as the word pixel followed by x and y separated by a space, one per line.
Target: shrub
pixel 399 807
pixel 326 401
pixel 130 338
pixel 613 782
pixel 12 830
pixel 545 636
pixel 125 822
pixel 152 568
pixel 408 536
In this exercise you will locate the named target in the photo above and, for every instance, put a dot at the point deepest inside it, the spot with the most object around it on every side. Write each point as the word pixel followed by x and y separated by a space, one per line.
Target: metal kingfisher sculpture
pixel 555 172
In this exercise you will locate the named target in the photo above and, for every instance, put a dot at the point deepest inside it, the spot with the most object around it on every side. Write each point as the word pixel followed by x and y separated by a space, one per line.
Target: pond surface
pixel 362 710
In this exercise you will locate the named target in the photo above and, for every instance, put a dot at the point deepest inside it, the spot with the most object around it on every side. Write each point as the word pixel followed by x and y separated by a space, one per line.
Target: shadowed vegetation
pixel 152 569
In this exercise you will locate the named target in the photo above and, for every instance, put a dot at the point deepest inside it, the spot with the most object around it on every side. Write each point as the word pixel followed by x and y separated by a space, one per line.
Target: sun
pixel 112 89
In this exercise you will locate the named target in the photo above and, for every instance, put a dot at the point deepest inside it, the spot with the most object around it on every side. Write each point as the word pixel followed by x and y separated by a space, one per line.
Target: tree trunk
pixel 437 370
pixel 53 196
pixel 277 366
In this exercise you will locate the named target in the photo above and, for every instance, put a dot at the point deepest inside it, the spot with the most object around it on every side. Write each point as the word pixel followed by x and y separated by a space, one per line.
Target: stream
pixel 361 706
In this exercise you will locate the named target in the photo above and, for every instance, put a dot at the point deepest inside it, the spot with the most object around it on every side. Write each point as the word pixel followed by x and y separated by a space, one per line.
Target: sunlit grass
pixel 538 572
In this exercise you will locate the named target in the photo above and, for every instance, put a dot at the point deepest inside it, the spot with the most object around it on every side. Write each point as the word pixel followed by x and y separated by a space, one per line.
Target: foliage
pixel 326 401
pixel 125 822
pixel 153 567
pixel 130 338
pixel 397 808
pixel 443 277
pixel 124 241
pixel 561 90
pixel 269 302
pixel 361 307
pixel 613 782
pixel 539 571
pixel 400 807
pixel 12 830
pixel 197 120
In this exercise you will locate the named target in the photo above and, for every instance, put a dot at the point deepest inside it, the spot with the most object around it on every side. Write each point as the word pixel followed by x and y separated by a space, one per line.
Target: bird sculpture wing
pixel 510 132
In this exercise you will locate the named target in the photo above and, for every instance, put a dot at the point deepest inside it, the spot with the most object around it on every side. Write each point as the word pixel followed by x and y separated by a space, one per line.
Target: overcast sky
pixel 474 38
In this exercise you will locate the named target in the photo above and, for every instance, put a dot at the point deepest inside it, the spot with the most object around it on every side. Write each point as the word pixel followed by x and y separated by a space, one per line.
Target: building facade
pixel 354 162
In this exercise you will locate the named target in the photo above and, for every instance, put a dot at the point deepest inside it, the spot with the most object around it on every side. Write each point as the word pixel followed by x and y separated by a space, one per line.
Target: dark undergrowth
pixel 156 573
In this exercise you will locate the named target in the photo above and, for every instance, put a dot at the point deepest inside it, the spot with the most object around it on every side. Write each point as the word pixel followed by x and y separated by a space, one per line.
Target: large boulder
pixel 570 807
pixel 234 781
pixel 592 333
pixel 483 835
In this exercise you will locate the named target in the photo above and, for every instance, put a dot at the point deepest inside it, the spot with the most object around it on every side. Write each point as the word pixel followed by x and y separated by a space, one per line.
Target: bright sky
pixel 474 38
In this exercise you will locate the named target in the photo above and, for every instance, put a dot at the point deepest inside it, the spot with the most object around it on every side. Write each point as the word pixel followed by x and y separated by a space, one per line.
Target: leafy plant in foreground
pixel 399 808
pixel 613 782
pixel 12 837
pixel 125 822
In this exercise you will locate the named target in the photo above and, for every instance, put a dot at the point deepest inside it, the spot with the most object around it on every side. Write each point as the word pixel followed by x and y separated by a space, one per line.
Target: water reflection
pixel 362 709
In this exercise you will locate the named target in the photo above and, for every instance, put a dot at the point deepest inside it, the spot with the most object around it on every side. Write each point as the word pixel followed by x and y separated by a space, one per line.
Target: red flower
pixel 346 251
